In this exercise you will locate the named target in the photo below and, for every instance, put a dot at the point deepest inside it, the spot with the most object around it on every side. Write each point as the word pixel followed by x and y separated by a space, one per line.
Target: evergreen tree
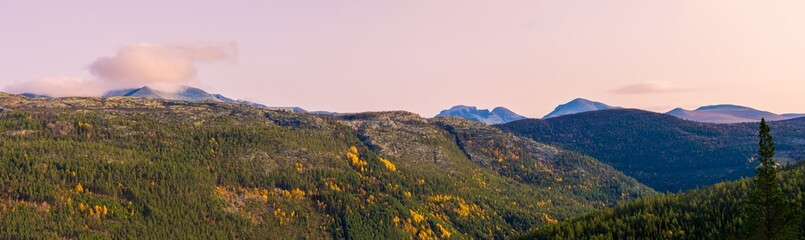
pixel 771 214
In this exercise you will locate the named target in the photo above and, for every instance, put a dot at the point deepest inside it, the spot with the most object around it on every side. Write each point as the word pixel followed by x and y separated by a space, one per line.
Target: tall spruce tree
pixel 771 214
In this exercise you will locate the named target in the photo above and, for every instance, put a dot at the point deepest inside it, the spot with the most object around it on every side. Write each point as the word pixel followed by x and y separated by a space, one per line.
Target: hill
pixel 123 167
pixel 714 212
pixel 189 94
pixel 662 151
pixel 578 105
pixel 726 114
pixel 498 115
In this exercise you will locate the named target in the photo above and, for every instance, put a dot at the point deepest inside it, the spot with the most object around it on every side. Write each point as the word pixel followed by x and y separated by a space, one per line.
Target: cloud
pixel 650 88
pixel 160 66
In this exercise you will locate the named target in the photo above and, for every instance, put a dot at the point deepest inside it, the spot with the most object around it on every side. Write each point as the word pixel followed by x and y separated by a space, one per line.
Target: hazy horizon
pixel 419 56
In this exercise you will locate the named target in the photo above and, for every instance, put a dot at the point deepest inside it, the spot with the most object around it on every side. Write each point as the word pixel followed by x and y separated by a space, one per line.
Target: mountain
pixel 34 95
pixel 793 115
pixel 663 151
pixel 189 94
pixel 496 116
pixel 323 113
pixel 715 212
pixel 534 163
pixel 726 113
pixel 183 94
pixel 151 168
pixel 578 105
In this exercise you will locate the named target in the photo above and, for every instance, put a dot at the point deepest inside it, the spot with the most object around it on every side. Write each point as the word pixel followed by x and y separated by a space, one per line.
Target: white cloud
pixel 161 66
pixel 650 88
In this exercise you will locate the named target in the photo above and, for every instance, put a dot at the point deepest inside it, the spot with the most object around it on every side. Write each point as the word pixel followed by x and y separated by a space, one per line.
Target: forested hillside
pixel 535 163
pixel 88 168
pixel 715 212
pixel 662 151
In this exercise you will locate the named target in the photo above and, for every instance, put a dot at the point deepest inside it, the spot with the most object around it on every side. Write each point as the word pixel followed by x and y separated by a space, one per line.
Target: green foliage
pixel 773 215
pixel 769 206
pixel 153 169
pixel 715 212
pixel 538 164
pixel 662 151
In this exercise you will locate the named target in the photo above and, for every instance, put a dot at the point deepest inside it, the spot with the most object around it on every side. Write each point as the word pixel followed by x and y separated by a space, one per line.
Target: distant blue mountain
pixel 498 115
pixel 323 112
pixel 727 113
pixel 793 115
pixel 578 105
pixel 34 95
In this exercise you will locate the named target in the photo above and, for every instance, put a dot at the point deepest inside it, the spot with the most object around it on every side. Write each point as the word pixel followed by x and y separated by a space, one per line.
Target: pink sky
pixel 424 56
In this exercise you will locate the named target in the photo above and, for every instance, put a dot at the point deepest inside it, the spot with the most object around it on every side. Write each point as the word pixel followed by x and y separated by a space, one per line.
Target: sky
pixel 419 56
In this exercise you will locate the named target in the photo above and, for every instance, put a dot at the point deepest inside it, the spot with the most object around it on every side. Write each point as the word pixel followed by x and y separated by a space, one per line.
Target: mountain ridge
pixel 187 93
pixel 727 113
pixel 662 151
pixel 578 105
pixel 498 115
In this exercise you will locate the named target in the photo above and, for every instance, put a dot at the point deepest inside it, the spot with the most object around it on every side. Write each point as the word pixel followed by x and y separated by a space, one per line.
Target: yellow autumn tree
pixel 416 216
pixel 214 148
pixel 444 232
pixel 549 219
pixel 297 193
pixel 390 166
pixel 355 161
pixel 299 167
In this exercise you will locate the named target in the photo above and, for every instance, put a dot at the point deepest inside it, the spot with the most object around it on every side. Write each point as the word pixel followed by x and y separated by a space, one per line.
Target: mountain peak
pixel 725 113
pixel 725 107
pixel 498 115
pixel 187 93
pixel 144 92
pixel 34 95
pixel 463 107
pixel 577 105
pixel 502 110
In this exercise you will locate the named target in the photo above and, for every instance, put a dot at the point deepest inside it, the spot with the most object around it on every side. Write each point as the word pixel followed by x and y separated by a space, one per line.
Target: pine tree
pixel 771 214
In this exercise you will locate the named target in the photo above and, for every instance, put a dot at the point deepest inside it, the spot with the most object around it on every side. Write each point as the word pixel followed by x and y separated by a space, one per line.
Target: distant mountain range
pixel 723 113
pixel 34 95
pixel 578 105
pixel 501 115
pixel 498 115
pixel 184 94
pixel 728 114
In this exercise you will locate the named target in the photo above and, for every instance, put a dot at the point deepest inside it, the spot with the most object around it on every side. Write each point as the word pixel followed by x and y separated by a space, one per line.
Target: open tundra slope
pixel 153 169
